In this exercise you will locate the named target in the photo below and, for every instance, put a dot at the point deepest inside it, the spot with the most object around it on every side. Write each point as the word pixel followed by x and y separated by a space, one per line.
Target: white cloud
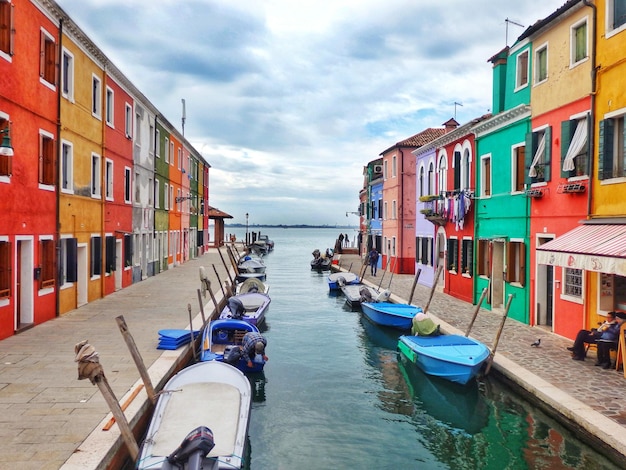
pixel 288 100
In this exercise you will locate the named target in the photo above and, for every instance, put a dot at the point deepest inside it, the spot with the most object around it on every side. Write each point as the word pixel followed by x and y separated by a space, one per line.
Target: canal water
pixel 334 394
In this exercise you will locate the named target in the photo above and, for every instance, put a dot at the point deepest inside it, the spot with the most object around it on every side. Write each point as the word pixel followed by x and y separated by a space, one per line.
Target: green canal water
pixel 335 396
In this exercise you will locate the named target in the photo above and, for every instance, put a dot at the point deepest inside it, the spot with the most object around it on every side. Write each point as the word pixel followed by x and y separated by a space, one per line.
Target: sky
pixel 288 100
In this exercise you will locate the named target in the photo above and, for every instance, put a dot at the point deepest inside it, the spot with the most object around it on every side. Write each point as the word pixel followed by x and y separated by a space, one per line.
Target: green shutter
pixel 531 148
pixel 605 149
pixel 567 132
pixel 548 154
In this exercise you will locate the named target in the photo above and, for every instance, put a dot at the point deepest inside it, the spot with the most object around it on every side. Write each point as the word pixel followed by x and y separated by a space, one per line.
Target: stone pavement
pixel 589 398
pixel 51 420
pixel 46 413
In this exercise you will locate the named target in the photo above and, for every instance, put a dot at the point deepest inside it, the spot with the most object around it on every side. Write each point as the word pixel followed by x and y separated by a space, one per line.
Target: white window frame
pixel 608 25
pixel 96 97
pixel 483 176
pixel 108 179
pixel 67 75
pixel 536 79
pixel 514 168
pixel 47 37
pixel 573 29
pixel 442 172
pixel 394 164
pixel 128 185
pixel 167 150
pixel 67 160
pixel 156 193
pixel 96 175
pixel 110 107
pixel 518 84
pixel 157 150
pixel 128 120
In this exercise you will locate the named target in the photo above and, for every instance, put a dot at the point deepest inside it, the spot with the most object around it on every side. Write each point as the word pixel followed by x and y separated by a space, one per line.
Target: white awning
pixel 600 248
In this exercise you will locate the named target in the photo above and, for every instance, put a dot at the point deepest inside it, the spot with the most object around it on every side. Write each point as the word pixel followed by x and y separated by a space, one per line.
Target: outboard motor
pixel 194 448
pixel 232 354
pixel 341 281
pixel 366 294
pixel 383 296
pixel 236 308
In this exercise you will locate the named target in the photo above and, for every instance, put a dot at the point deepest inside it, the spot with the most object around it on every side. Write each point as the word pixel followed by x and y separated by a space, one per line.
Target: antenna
pixel 507 21
pixel 184 115
pixel 456 103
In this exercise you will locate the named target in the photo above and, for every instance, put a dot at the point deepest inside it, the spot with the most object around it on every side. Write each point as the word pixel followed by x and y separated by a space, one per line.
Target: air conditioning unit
pixel 378 168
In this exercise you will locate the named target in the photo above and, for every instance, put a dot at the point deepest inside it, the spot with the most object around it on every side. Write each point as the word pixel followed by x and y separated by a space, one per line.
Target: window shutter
pixel 522 264
pixel 457 171
pixel 110 254
pixel 547 160
pixel 508 276
pixel 567 131
pixel 623 147
pixel 72 260
pixel 531 148
pixel 605 149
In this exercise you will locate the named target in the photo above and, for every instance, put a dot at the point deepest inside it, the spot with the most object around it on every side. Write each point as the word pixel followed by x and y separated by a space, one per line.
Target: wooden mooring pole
pixel 480 301
pixel 432 289
pixel 497 339
pixel 417 276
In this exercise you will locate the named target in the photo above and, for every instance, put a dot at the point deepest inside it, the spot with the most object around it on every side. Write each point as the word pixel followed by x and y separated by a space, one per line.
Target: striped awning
pixel 600 248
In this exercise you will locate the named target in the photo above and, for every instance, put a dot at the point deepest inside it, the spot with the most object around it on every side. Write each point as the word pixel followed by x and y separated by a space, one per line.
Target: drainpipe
pixel 592 117
pixel 57 287
pixel 401 237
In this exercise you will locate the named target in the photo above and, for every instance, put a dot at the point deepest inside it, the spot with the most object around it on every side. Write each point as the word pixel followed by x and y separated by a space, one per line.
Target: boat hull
pixel 256 305
pixel 211 394
pixel 337 280
pixel 452 357
pixel 390 314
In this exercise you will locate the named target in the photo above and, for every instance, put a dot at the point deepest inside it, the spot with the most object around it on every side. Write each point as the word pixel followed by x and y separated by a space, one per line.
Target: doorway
pixel 497 274
pixel 24 284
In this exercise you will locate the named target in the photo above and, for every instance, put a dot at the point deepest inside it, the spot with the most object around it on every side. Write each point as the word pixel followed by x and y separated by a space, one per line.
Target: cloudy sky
pixel 289 99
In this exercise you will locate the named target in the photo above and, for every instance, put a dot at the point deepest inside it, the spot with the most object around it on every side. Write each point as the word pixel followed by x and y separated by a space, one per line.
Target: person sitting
pixel 589 336
pixel 608 341
pixel 423 325
pixel 253 347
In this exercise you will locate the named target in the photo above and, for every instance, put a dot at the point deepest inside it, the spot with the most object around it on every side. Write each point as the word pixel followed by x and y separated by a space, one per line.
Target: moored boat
pixel 390 314
pixel 453 357
pixel 355 294
pixel 253 285
pixel 250 307
pixel 337 280
pixel 200 420
pixel 222 341
pixel 321 262
pixel 248 264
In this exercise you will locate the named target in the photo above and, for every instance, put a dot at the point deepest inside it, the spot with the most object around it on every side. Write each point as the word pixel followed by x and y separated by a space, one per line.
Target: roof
pixel 419 139
pixel 215 213
pixel 540 24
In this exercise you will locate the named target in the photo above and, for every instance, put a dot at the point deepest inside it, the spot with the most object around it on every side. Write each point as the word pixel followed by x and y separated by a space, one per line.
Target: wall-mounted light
pixel 5 148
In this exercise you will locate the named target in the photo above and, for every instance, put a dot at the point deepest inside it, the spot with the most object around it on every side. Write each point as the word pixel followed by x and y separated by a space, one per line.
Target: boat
pixel 248 264
pixel 252 285
pixel 201 420
pixel 220 340
pixel 390 314
pixel 453 357
pixel 242 277
pixel 269 244
pixel 250 307
pixel 338 280
pixel 321 262
pixel 355 294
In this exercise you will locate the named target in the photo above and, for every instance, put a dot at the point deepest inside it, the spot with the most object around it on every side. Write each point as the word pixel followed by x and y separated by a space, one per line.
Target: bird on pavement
pixel 536 343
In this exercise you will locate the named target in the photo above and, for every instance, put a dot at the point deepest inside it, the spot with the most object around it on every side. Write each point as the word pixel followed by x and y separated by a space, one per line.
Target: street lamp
pixel 247 242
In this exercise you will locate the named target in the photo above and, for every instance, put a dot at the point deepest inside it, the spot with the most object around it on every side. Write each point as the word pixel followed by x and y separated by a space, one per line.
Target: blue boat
pixel 452 357
pixel 221 337
pixel 250 307
pixel 390 314
pixel 337 280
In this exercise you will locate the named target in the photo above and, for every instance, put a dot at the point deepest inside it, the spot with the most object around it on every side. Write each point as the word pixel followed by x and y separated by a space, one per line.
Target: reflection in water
pixel 257 383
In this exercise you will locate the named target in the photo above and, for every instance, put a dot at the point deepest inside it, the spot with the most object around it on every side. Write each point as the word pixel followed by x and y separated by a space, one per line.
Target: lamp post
pixel 247 242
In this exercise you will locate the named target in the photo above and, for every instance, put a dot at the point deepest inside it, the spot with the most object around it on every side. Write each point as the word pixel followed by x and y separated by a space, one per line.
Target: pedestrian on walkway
pixel 373 259
pixel 590 336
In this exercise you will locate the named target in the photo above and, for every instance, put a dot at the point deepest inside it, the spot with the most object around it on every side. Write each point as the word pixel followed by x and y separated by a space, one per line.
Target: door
pixel 82 275
pixel 497 274
pixel 119 267
pixel 24 284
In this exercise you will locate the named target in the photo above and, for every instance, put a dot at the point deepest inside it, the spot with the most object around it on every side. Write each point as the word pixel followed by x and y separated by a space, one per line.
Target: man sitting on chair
pixel 609 341
pixel 586 336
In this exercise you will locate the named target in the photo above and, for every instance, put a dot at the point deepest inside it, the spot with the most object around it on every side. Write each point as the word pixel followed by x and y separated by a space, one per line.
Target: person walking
pixel 373 259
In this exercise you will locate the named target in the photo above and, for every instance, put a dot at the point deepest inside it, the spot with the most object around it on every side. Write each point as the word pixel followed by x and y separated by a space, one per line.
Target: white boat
pixel 253 285
pixel 339 279
pixel 212 395
pixel 357 293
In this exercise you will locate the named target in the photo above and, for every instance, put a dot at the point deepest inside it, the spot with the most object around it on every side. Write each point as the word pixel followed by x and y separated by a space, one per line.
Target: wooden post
pixel 417 276
pixel 384 272
pixel 134 352
pixel 201 308
pixel 219 280
pixel 193 339
pixel 432 289
pixel 217 309
pixel 89 368
pixel 497 339
pixel 232 281
pixel 480 301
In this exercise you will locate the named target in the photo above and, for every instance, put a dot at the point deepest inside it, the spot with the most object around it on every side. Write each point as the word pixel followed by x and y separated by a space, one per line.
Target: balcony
pixel 572 188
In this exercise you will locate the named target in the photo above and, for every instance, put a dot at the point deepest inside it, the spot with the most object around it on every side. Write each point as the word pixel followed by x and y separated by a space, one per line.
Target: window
pixel 167 150
pixel 96 185
pixel 579 42
pixel 96 96
pixel 394 209
pixel 611 148
pixel 158 143
pixel 46 263
pixel 109 255
pixel 137 188
pixel 172 152
pixel 521 75
pixel 373 210
pixel 128 251
pixel 171 198
pixel 156 194
pixel 385 172
pixel 127 184
pixel 573 282
pixel 67 75
pixel 385 215
pixel 456 166
pixel 421 182
pixel 68 264
pixel 67 167
pixel 180 158
pixel 138 118
pixel 47 65
pixel 166 196
pixel 150 193
pixel 96 256
pixel 465 170
pixel 5 269
pixel 108 179
pixel 128 121
pixel 443 175
pixel 453 255
pixel 467 258
pixel 539 144
pixel 394 166
pixel 6 29
pixel 485 176
pixel 482 258
pixel 541 64
pixel 516 262
pixel 574 147
pixel 431 178
pixel 380 208
pixel 424 250
pixel 179 199
pixel 616 14
pixel 110 107
pixel 518 166
pixel 46 158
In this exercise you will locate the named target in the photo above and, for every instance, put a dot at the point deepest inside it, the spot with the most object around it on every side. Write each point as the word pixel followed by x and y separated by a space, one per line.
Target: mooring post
pixel 417 276
pixel 219 280
pixel 432 289
pixel 192 339
pixel 480 301
pixel 201 308
pixel 497 340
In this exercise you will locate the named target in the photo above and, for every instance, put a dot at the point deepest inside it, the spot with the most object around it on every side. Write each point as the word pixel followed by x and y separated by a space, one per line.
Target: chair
pixel 621 348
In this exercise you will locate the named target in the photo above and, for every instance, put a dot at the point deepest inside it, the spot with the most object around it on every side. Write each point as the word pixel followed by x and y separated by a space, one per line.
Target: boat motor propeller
pixel 194 448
